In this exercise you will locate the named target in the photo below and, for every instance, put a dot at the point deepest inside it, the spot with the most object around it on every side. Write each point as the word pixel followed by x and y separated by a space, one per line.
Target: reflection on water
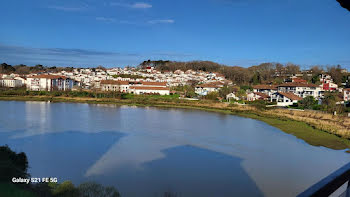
pixel 148 150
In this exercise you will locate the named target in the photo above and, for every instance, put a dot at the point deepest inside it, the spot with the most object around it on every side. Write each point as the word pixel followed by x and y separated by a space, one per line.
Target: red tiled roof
pixel 114 82
pixel 262 95
pixel 49 76
pixel 211 85
pixel 299 80
pixel 265 86
pixel 291 96
pixel 295 84
pixel 148 88
pixel 151 83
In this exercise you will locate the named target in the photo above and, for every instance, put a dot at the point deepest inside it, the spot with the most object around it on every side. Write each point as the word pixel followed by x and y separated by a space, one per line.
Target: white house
pixel 49 83
pixel 10 83
pixel 252 96
pixel 346 94
pixel 204 89
pixel 232 96
pixel 114 85
pixel 266 89
pixel 286 98
pixel 149 90
pixel 301 89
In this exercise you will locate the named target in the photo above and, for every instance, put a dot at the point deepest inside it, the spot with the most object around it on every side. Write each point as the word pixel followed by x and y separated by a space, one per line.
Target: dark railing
pixel 330 184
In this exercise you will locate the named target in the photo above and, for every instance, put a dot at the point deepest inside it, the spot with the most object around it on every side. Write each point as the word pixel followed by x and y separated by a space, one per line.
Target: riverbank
pixel 315 128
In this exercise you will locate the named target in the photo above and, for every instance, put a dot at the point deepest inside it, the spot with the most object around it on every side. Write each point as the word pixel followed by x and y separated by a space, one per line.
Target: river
pixel 145 151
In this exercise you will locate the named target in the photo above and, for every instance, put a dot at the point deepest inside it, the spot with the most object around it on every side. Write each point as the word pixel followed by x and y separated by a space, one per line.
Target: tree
pixel 241 94
pixel 307 103
pixel 226 90
pixel 12 164
pixel 329 103
pixel 91 189
pixel 65 189
pixel 212 95
pixel 6 69
pixel 292 68
pixel 336 74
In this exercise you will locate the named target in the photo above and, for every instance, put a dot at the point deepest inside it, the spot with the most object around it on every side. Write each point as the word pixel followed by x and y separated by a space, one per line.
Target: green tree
pixel 329 103
pixel 226 90
pixel 212 95
pixel 91 189
pixel 65 189
pixel 307 103
pixel 12 164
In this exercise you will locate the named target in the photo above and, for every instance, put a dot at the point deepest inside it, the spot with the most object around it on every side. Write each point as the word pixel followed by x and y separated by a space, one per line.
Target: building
pixel 204 89
pixel 301 89
pixel 253 96
pixel 346 94
pixel 149 90
pixel 232 97
pixel 49 83
pixel 115 85
pixel 10 83
pixel 286 98
pixel 152 84
pixel 266 89
pixel 330 86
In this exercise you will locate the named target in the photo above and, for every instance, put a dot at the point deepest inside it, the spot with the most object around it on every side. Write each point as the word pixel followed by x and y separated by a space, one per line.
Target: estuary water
pixel 145 151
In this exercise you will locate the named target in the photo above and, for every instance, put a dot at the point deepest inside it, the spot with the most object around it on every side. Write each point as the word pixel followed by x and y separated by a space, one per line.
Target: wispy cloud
pixel 68 8
pixel 105 19
pixel 138 5
pixel 168 21
pixel 78 57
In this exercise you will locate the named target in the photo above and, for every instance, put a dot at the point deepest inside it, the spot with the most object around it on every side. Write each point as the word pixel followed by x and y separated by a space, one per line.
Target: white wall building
pixel 49 83
pixel 149 90
pixel 10 83
pixel 301 89
pixel 286 98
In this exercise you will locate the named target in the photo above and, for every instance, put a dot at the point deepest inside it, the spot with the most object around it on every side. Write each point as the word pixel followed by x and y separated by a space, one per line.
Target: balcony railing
pixel 330 184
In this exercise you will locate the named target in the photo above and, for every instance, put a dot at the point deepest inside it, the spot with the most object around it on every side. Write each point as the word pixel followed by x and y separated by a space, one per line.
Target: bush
pixel 12 164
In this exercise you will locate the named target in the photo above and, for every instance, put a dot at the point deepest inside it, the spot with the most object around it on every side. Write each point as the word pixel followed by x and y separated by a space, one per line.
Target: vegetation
pixel 308 103
pixel 263 73
pixel 16 165
pixel 23 69
pixel 12 164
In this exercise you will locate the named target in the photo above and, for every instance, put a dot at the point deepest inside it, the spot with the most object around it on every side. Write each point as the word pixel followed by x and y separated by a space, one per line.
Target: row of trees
pixel 328 104
pixel 24 69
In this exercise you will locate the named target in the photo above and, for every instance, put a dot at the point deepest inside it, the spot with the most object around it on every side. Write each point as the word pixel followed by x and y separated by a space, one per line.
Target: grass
pixel 11 190
pixel 314 128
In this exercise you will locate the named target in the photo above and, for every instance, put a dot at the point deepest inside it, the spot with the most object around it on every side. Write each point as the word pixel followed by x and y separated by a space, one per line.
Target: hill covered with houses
pixel 274 84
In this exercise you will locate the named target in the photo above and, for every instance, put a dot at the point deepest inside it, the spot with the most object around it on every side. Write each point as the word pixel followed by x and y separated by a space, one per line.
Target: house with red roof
pixel 286 98
pixel 46 82
pixel 301 89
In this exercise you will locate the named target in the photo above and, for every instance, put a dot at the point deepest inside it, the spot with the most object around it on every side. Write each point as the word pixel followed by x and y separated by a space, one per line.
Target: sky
pixel 115 33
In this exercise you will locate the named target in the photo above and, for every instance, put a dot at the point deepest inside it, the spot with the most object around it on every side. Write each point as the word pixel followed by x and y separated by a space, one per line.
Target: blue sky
pixel 122 32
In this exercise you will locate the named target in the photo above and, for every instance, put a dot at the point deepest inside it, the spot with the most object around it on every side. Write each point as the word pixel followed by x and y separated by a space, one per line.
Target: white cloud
pixel 169 21
pixel 105 19
pixel 141 5
pixel 138 5
pixel 70 8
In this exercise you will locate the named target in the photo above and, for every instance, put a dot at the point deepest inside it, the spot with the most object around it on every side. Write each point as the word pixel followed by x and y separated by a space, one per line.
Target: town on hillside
pixel 282 87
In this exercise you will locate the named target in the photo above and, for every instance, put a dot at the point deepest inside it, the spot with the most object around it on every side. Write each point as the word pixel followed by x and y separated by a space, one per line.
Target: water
pixel 148 151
